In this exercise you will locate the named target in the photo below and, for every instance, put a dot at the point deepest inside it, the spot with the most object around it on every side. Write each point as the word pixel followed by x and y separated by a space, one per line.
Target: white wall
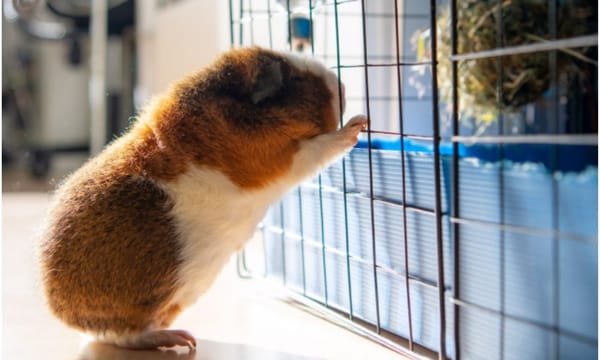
pixel 63 100
pixel 176 39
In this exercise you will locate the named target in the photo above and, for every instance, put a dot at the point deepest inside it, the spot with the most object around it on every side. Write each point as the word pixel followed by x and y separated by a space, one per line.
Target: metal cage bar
pixel 438 183
pixel 501 180
pixel 344 181
pixel 403 179
pixel 455 211
pixel 553 20
pixel 579 41
pixel 372 210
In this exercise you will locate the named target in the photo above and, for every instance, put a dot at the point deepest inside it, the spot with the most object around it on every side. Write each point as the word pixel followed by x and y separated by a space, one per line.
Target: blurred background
pixel 53 69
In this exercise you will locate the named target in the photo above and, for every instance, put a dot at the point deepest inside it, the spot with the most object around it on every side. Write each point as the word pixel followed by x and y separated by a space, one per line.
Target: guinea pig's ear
pixel 268 82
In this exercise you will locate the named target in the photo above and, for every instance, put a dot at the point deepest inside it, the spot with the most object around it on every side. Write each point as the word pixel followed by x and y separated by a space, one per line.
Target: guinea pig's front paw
pixel 349 133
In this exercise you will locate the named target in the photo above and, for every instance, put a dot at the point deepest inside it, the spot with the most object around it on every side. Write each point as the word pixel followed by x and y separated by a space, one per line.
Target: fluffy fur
pixel 143 229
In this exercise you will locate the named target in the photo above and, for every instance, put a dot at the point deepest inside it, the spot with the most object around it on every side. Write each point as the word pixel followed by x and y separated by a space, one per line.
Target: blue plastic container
pixel 522 281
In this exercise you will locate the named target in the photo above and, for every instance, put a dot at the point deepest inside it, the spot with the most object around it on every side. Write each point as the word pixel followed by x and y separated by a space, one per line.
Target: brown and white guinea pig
pixel 140 231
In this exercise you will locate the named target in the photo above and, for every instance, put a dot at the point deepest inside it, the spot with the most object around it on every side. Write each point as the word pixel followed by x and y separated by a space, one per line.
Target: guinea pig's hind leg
pixel 161 338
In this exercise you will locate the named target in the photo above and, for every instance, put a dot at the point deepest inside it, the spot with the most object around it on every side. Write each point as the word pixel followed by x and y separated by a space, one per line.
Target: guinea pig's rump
pixel 110 256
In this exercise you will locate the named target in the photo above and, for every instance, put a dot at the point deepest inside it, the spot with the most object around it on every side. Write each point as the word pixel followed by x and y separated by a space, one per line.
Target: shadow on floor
pixel 206 350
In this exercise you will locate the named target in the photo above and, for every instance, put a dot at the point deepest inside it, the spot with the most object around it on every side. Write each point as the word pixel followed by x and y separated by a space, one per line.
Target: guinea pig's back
pixel 109 255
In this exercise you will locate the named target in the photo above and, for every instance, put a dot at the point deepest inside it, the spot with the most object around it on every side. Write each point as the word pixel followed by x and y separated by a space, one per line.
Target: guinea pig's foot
pixel 352 128
pixel 164 338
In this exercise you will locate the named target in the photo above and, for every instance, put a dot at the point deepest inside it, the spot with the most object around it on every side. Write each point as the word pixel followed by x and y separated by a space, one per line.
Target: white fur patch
pixel 215 218
pixel 304 63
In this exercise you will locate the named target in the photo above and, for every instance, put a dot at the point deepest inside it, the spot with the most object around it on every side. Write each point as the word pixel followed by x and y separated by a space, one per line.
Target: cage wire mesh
pixel 464 223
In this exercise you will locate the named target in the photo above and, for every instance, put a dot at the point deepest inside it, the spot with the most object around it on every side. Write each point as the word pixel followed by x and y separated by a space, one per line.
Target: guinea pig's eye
pixel 297 78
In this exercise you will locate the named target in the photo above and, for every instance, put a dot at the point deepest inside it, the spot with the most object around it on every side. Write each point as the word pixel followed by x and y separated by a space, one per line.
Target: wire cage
pixel 464 223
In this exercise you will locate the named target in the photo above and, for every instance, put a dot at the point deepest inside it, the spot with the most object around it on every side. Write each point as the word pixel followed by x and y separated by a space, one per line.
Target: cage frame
pixel 408 347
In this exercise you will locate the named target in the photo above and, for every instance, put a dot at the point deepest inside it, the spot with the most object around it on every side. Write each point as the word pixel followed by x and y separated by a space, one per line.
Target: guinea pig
pixel 140 231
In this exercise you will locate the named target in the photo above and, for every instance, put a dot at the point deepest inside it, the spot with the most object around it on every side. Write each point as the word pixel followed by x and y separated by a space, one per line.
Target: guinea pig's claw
pixel 348 135
pixel 163 338
pixel 357 121
pixel 186 339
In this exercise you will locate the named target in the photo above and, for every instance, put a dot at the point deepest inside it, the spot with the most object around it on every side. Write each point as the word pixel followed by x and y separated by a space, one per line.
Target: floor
pixel 236 319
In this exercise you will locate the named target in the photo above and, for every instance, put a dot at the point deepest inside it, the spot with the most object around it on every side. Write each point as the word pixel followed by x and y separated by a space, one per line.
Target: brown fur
pixel 110 258
pixel 110 253
pixel 212 122
pixel 208 119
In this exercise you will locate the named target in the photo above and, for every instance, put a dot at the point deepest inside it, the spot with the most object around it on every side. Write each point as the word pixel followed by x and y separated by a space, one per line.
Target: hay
pixel 524 78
